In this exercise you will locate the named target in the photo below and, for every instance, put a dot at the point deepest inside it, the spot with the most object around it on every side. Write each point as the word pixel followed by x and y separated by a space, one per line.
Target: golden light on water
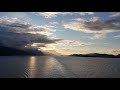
pixel 32 66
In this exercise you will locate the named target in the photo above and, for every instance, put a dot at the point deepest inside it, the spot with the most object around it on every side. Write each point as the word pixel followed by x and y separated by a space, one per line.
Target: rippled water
pixel 58 67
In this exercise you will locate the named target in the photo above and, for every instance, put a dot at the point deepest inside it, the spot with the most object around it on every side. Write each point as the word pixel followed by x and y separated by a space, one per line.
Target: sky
pixel 62 33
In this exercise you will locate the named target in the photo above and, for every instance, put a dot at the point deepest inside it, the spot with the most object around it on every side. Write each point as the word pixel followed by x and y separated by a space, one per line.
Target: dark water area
pixel 58 67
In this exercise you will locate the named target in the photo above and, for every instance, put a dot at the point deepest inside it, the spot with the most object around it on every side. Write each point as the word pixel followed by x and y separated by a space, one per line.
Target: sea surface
pixel 58 67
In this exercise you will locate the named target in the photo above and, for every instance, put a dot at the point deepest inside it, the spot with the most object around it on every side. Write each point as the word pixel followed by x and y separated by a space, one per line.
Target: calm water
pixel 58 67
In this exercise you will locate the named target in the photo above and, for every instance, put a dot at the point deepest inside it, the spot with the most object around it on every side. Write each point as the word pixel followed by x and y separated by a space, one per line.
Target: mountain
pixel 96 55
pixel 8 51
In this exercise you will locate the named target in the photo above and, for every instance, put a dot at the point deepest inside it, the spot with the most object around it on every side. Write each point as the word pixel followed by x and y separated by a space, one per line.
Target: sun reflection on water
pixel 32 67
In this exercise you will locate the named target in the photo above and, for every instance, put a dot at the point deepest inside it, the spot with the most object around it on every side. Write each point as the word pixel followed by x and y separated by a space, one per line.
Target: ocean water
pixel 58 67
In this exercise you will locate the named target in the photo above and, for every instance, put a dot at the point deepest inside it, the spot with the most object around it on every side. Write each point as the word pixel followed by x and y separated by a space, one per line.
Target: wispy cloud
pixel 55 14
pixel 117 36
pixel 79 19
pixel 70 43
pixel 114 14
pixel 99 36
pixel 53 24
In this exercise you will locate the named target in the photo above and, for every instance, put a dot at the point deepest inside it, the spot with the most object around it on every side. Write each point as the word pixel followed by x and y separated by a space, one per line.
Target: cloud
pixel 114 14
pixel 111 25
pixel 53 23
pixel 16 34
pixel 80 19
pixel 16 19
pixel 70 43
pixel 65 46
pixel 117 36
pixel 48 14
pixel 94 25
pixel 93 19
pixel 115 51
pixel 100 36
pixel 97 26
pixel 55 14
pixel 84 13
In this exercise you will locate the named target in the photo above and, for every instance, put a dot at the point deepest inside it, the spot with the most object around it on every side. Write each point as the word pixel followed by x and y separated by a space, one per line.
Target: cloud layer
pixel 13 33
pixel 94 25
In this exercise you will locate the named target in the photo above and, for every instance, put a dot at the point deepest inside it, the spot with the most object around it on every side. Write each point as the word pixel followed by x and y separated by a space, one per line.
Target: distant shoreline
pixel 96 55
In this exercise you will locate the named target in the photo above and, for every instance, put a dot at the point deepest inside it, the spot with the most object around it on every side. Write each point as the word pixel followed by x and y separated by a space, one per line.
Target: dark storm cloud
pixel 19 35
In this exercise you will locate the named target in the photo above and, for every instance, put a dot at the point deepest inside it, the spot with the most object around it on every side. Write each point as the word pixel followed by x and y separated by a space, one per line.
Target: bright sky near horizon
pixel 62 32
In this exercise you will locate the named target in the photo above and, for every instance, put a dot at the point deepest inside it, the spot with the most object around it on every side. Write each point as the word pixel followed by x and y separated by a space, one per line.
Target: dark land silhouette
pixel 97 55
pixel 8 51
